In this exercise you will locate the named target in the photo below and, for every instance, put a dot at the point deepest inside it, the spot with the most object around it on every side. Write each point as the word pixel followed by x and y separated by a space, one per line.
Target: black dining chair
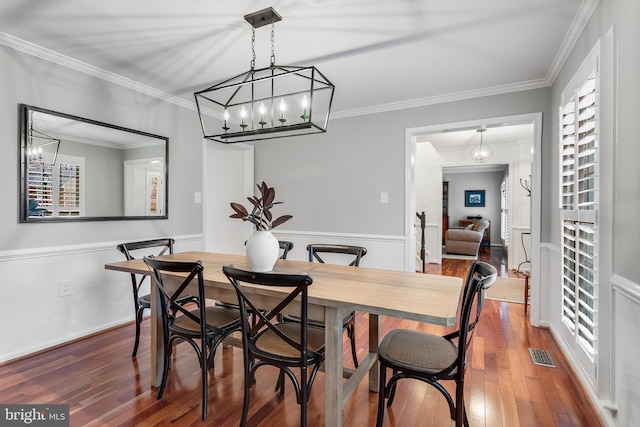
pixel 285 345
pixel 354 254
pixel 203 328
pixel 285 247
pixel 433 358
pixel 157 247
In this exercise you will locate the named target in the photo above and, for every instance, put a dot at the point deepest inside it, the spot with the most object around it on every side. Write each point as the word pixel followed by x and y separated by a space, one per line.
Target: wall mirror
pixel 78 169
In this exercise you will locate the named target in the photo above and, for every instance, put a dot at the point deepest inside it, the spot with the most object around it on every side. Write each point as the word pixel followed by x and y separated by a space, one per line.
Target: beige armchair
pixel 465 241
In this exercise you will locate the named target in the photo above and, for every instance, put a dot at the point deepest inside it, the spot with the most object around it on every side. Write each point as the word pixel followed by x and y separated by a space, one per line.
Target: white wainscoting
pixel 626 345
pixel 384 252
pixel 433 241
pixel 621 408
pixel 36 317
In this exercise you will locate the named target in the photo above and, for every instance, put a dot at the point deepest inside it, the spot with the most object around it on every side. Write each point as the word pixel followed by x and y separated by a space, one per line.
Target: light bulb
pixel 305 104
pixel 243 114
pixel 282 108
pixel 225 115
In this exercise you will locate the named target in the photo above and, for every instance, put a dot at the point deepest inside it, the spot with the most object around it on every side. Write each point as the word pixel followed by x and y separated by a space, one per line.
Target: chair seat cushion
pixel 145 300
pixel 418 350
pixel 269 343
pixel 216 316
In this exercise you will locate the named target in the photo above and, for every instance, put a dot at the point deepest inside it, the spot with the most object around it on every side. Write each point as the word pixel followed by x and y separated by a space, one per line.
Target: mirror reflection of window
pixel 153 195
pixel 55 189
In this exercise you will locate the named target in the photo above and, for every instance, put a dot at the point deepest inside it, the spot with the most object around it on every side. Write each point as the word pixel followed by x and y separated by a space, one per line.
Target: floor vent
pixel 541 357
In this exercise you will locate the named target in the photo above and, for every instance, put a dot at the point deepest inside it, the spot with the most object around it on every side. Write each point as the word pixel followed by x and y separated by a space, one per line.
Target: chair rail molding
pixel 383 251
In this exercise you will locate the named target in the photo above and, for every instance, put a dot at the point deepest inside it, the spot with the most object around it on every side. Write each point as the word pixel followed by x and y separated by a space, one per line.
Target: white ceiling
pixel 465 139
pixel 380 54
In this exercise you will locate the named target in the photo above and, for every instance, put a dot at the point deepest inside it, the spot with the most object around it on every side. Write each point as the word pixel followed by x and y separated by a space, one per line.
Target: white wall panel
pixel 34 314
pixel 384 252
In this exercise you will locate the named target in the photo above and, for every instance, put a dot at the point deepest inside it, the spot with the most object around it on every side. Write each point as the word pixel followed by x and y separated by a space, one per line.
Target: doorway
pixel 413 139
pixel 228 177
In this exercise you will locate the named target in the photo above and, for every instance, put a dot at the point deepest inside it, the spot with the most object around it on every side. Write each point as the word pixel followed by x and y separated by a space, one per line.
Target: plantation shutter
pixel 579 204
pixel 69 190
pixel 57 187
pixel 40 183
pixel 504 212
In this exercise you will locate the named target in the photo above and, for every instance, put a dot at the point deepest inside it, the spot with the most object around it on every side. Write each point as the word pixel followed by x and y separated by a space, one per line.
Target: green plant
pixel 261 215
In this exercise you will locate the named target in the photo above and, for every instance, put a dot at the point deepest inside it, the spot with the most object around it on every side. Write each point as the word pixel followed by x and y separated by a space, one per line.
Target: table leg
pixel 333 367
pixel 374 341
pixel 157 340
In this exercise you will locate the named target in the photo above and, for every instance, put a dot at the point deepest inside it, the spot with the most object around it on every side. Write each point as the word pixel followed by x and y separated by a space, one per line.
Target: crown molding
pixel 571 38
pixel 91 70
pixel 441 99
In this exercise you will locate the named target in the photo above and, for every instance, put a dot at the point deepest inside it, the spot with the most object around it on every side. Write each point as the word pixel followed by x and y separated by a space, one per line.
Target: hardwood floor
pixel 105 387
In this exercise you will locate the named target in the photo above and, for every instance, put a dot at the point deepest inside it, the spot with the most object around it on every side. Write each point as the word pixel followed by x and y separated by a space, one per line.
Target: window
pixel 579 140
pixel 57 188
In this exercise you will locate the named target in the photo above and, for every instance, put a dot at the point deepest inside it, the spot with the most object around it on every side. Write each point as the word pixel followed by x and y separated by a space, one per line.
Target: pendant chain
pixel 273 49
pixel 253 48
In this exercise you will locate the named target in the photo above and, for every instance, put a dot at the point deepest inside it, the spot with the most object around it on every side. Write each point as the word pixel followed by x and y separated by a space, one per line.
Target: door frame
pixel 411 135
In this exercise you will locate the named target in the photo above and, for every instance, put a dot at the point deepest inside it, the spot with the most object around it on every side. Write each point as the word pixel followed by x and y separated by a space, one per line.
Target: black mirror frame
pixel 23 201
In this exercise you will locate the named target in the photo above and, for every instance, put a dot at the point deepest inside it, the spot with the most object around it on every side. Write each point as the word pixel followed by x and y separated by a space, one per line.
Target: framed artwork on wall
pixel 474 198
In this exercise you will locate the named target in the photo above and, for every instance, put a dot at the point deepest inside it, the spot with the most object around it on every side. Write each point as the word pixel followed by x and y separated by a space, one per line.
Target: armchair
pixel 465 241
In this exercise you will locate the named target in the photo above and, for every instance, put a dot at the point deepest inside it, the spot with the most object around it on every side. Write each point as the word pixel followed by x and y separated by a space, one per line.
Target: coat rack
pixel 526 186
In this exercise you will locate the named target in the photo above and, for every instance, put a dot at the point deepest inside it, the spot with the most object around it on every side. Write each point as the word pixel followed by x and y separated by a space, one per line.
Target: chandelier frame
pixel 239 102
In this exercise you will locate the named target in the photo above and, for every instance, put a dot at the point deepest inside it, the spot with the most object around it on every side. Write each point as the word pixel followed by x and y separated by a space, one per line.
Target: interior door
pixel 228 177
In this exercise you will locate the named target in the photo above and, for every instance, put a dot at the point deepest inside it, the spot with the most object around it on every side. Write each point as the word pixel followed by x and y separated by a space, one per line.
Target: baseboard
pixel 602 408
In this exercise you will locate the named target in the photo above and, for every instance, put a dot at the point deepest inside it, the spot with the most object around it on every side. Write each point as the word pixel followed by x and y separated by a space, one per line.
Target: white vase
pixel 262 251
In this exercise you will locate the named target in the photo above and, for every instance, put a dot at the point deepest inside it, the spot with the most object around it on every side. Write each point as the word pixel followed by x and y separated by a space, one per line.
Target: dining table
pixel 335 291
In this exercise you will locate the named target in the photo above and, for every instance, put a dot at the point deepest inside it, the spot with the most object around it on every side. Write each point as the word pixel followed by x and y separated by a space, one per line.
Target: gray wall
pixel 336 178
pixel 488 181
pixel 29 80
pixel 103 197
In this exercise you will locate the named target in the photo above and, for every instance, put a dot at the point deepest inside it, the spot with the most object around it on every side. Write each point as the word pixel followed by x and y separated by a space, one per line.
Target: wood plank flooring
pixel 105 387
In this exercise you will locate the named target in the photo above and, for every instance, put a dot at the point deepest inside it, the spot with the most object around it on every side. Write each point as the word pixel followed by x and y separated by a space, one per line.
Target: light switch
pixel 197 197
pixel 384 198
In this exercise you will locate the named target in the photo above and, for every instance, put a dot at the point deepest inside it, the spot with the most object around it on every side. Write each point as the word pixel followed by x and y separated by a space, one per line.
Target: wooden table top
pixel 422 297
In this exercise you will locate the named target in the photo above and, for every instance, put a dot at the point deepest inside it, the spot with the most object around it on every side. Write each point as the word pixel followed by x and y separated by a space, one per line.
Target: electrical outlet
pixel 65 288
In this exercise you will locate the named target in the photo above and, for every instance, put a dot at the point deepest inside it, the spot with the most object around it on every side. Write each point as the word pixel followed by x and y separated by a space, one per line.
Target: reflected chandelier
pixel 34 152
pixel 266 103
pixel 481 153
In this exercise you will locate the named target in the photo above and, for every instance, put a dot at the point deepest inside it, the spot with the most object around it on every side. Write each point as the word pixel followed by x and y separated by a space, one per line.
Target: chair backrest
pixel 357 251
pixel 160 247
pixel 285 247
pixel 169 299
pixel 480 277
pixel 268 317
